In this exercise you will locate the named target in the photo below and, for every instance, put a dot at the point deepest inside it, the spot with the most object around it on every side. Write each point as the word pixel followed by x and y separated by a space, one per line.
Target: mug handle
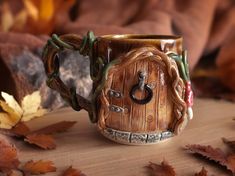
pixel 51 63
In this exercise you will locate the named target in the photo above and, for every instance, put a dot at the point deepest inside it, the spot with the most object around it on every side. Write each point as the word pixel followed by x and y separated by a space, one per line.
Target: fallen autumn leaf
pixel 40 137
pixel 163 169
pixel 14 113
pixel 72 172
pixel 38 167
pixel 56 128
pixel 214 154
pixel 20 130
pixel 8 155
pixel 41 140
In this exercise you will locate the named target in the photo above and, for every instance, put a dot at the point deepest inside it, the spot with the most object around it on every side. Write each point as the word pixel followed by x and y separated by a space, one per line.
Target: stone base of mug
pixel 135 138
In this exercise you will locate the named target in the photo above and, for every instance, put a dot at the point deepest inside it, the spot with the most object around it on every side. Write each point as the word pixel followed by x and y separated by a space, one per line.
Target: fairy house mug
pixel 141 86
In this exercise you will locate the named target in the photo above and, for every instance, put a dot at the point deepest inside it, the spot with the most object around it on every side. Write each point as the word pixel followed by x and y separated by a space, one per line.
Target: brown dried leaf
pixel 72 172
pixel 8 155
pixel 163 169
pixel 21 129
pixel 38 167
pixel 229 143
pixel 40 137
pixel 230 164
pixel 203 172
pixel 214 154
pixel 209 152
pixel 41 140
pixel 56 128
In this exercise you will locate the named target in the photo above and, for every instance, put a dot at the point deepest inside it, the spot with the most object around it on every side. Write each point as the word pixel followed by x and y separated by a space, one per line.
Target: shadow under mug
pixel 141 85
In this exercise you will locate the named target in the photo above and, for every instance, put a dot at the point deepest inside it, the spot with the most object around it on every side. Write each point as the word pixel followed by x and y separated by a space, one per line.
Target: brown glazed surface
pixel 157 115
pixel 124 111
pixel 112 46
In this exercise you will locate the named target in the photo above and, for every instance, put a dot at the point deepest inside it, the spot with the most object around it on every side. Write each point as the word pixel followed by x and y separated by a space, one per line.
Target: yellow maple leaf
pixel 13 115
pixel 31 106
pixel 29 109
pixel 12 103
pixel 5 121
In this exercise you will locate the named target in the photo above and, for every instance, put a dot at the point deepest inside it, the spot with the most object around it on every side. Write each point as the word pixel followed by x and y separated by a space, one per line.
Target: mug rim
pixel 141 37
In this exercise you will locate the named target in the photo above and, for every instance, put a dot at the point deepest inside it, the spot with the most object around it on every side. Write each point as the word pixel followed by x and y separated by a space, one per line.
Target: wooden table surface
pixel 84 148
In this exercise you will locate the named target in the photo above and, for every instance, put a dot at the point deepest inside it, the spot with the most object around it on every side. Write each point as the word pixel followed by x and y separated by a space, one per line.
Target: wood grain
pixel 84 148
pixel 151 117
pixel 151 114
pixel 117 85
pixel 138 111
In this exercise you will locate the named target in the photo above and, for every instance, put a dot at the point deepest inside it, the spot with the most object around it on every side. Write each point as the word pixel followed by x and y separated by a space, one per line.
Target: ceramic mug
pixel 141 86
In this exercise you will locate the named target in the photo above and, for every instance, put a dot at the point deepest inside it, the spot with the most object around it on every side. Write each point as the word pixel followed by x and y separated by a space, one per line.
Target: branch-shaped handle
pixel 51 63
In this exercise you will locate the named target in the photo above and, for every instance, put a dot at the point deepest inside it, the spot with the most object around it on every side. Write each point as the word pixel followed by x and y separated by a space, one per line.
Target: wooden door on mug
pixel 153 116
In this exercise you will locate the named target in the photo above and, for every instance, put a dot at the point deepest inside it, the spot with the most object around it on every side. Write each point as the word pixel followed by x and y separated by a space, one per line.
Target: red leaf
pixel 56 128
pixel 72 172
pixel 41 140
pixel 203 172
pixel 8 155
pixel 38 167
pixel 163 169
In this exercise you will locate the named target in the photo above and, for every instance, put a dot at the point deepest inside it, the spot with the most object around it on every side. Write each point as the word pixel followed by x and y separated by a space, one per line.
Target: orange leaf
pixel 214 154
pixel 72 172
pixel 41 140
pixel 56 128
pixel 203 172
pixel 8 155
pixel 38 167
pixel 163 169
pixel 21 129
